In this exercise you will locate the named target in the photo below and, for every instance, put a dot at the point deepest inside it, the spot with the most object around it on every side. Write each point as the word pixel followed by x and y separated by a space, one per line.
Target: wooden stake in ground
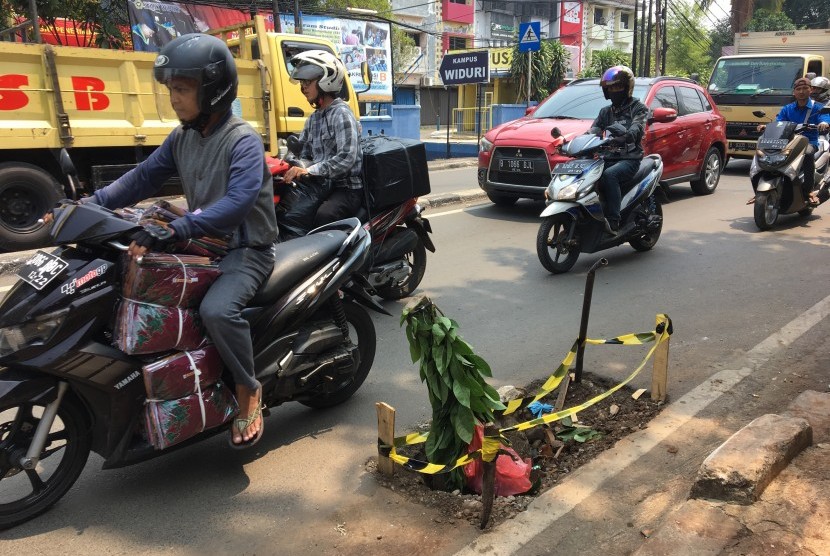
pixel 386 435
pixel 488 481
pixel 659 377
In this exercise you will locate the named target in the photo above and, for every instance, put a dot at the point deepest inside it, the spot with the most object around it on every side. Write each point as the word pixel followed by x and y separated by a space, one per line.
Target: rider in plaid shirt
pixel 330 138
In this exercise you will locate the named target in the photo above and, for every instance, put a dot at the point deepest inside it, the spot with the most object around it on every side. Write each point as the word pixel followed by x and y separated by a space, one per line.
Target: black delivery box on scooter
pixel 395 169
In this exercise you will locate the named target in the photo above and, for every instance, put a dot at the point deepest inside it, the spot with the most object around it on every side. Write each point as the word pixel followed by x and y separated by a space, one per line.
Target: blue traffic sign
pixel 529 34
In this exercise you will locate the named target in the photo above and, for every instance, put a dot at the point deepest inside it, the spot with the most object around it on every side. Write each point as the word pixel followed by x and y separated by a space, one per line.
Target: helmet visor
pixel 305 72
pixel 163 75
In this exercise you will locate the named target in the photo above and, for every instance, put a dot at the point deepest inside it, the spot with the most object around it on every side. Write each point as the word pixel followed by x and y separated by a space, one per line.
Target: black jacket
pixel 632 115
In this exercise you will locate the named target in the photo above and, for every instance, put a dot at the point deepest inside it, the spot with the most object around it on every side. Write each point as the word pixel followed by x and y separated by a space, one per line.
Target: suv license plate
pixel 515 165
pixel 740 146
pixel 41 269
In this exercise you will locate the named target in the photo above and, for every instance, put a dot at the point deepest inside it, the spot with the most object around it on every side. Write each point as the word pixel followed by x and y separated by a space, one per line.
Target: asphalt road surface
pixel 303 490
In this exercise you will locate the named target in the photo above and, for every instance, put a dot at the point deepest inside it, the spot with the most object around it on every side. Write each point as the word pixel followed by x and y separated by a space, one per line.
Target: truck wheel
pixel 26 193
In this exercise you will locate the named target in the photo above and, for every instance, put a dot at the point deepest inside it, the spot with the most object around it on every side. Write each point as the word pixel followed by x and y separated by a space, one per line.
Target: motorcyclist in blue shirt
pixel 805 111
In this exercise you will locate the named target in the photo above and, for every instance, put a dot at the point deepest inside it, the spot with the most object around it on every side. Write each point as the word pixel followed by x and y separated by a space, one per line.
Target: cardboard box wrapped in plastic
pixel 395 169
pixel 169 422
pixel 175 376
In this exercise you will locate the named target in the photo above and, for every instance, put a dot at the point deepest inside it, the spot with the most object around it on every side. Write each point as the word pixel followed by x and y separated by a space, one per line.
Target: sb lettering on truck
pixel 87 90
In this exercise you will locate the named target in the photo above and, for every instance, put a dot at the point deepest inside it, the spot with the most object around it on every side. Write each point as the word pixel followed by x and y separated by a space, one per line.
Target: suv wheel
pixel 502 200
pixel 709 174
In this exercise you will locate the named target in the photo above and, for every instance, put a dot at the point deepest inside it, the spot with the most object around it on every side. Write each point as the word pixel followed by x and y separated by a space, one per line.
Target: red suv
pixel 515 158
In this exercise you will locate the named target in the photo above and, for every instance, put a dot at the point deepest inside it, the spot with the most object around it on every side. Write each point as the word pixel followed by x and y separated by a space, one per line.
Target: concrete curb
pixel 460 197
pixel 699 526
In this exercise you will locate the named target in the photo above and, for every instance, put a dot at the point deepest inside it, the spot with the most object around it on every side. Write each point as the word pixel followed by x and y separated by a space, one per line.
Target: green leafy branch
pixel 455 378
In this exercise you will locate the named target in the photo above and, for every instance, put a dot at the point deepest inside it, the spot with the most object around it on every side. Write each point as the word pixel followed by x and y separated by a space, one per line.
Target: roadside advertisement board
pixel 357 41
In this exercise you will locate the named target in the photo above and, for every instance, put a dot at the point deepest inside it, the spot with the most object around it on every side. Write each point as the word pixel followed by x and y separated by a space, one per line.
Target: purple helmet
pixel 617 75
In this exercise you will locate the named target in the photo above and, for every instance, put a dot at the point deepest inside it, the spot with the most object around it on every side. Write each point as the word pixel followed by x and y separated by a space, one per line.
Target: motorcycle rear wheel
pixel 362 333
pixel 649 239
pixel 554 255
pixel 417 260
pixel 766 210
pixel 25 494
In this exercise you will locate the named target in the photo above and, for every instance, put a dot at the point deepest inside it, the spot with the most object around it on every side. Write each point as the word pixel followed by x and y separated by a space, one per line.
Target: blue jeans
pixel 616 173
pixel 243 270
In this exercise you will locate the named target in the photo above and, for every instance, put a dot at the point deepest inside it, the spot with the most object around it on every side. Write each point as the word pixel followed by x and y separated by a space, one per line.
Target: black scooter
pixel 777 172
pixel 65 390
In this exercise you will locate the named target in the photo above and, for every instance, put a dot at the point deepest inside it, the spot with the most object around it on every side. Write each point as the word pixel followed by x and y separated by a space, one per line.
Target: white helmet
pixel 321 65
pixel 820 83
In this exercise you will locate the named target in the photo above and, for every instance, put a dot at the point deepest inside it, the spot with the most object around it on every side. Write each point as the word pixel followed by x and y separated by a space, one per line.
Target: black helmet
pixel 206 59
pixel 618 75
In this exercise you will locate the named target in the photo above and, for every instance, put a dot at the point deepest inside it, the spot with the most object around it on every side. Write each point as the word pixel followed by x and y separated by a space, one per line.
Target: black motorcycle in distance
pixel 777 172
pixel 66 391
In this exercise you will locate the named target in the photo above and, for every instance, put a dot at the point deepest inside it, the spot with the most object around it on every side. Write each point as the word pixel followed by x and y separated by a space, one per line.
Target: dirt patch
pixel 553 459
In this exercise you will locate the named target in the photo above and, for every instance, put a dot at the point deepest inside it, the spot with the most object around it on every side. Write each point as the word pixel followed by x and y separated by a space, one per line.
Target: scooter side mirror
pixel 555 133
pixel 759 113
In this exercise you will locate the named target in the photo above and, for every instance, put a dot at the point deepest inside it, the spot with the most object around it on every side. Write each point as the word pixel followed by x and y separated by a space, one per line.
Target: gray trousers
pixel 243 270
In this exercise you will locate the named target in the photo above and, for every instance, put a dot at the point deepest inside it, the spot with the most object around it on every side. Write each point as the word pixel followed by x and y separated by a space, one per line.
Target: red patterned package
pixel 172 421
pixel 145 328
pixel 169 279
pixel 174 376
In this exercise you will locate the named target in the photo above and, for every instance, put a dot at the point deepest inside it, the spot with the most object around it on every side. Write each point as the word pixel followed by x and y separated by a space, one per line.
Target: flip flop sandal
pixel 242 424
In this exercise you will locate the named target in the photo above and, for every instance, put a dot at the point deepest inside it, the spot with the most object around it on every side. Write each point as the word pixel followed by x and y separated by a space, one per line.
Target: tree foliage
pixel 404 52
pixel 766 20
pixel 688 49
pixel 105 18
pixel 603 59
pixel 549 67
pixel 720 36
pixel 808 14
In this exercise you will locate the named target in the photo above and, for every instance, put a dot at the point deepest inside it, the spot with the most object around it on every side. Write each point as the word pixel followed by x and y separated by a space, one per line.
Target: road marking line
pixel 509 537
pixel 456 211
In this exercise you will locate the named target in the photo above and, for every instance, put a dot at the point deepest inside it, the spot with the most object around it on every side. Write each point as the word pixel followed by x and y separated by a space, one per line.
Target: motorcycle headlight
pixel 36 331
pixel 484 146
pixel 569 192
pixel 775 158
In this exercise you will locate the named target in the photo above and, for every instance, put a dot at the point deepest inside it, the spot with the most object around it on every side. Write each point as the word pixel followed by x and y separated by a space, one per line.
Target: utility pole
pixel 658 22
pixel 277 22
pixel 298 20
pixel 634 44
pixel 642 46
pixel 665 45
pixel 647 66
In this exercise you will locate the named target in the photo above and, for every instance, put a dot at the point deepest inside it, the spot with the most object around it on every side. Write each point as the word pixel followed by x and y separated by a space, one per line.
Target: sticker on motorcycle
pixel 41 269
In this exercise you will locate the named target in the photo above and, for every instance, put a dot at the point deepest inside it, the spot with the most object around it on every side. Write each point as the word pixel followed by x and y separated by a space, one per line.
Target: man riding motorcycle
pixel 807 111
pixel 625 119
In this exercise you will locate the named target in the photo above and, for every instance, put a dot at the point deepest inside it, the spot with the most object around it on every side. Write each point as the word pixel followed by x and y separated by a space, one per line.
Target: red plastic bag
pixel 512 473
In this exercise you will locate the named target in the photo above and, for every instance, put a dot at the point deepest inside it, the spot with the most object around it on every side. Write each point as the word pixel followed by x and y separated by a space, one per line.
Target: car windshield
pixel 581 102
pixel 755 76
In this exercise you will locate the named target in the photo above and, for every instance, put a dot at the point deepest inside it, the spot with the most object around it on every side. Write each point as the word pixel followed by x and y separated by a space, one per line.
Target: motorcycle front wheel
pixel 362 334
pixel 417 261
pixel 555 253
pixel 766 210
pixel 26 493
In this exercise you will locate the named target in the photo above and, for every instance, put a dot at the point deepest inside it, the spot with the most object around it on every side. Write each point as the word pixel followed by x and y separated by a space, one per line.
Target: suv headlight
pixel 37 331
pixel 484 146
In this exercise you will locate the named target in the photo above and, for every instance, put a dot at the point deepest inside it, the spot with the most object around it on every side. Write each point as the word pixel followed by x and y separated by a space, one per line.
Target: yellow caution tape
pixel 492 444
